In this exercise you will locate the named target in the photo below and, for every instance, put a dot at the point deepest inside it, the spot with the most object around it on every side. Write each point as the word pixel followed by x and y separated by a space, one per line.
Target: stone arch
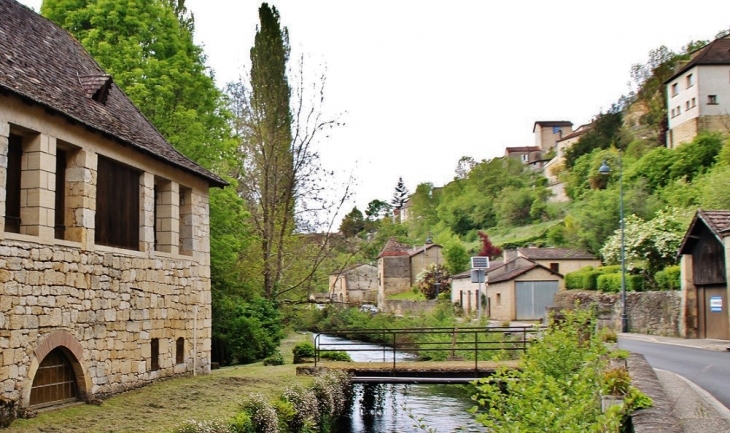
pixel 73 351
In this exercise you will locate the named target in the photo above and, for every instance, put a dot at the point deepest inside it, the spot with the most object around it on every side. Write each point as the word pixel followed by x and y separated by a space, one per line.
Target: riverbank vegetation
pixel 559 385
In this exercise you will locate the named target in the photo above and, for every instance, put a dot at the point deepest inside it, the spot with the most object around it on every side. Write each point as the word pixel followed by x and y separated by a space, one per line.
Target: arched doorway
pixel 55 381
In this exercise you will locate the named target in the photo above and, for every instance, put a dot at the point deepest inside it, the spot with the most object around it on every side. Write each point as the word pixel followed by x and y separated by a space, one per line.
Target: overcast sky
pixel 423 83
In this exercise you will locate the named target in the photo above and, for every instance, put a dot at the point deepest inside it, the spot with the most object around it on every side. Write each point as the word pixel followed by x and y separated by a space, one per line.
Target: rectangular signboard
pixel 716 304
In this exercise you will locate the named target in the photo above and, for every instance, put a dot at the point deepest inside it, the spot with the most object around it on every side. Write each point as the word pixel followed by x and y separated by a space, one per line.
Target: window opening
pixel 117 205
pixel 155 354
pixel 60 210
pixel 12 199
pixel 180 350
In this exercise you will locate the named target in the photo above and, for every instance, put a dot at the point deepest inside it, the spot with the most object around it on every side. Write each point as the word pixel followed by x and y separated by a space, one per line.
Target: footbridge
pixel 422 355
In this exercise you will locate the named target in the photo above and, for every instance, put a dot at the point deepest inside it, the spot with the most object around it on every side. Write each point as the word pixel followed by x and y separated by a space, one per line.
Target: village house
pixel 104 231
pixel 522 284
pixel 554 165
pixel 399 265
pixel 698 94
pixel 528 155
pixel 549 132
pixel 355 284
pixel 704 253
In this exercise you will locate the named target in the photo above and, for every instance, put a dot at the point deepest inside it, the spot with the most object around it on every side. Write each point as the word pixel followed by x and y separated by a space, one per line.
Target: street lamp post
pixel 606 170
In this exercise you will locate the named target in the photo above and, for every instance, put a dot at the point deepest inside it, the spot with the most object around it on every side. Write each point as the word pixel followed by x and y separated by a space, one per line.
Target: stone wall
pixel 655 313
pixel 406 308
pixel 110 304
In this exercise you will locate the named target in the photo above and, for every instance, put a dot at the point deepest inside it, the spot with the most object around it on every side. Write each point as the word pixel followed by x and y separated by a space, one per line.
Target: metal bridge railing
pixel 474 340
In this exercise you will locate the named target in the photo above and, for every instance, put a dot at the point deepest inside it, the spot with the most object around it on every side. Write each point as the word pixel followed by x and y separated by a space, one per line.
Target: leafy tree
pixel 279 174
pixel 377 209
pixel 487 248
pixel 353 223
pixel 651 244
pixel 513 206
pixel 147 46
pixel 422 213
pixel 434 280
pixel 457 258
pixel 464 166
pixel 400 196
pixel 604 134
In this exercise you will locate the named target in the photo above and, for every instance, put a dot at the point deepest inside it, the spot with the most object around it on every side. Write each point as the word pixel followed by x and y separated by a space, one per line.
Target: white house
pixel 698 94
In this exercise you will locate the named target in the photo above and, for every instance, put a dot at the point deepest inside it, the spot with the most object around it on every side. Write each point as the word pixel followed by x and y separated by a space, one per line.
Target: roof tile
pixel 43 63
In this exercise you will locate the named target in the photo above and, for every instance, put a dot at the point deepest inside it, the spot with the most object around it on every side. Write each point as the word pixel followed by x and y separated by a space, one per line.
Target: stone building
pixel 399 265
pixel 104 249
pixel 356 284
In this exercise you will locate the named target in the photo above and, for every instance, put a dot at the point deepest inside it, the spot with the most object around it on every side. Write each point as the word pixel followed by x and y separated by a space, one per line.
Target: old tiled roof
pixel 509 150
pixel 43 64
pixel 548 123
pixel 718 221
pixel 578 132
pixel 555 253
pixel 493 265
pixel 514 273
pixel 412 252
pixel 395 248
pixel 716 52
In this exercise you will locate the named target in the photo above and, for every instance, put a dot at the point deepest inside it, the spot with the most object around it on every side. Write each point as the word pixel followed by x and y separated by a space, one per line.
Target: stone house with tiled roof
pixel 698 94
pixel 104 231
pixel 561 260
pixel 705 255
pixel 399 265
pixel 549 132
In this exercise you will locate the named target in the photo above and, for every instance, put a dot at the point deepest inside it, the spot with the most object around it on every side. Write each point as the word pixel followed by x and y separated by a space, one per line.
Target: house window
pixel 690 80
pixel 60 210
pixel 499 299
pixel 180 350
pixel 694 102
pixel 674 89
pixel 117 205
pixel 679 110
pixel 555 267
pixel 155 354
pixel 686 106
pixel 12 199
pixel 673 112
pixel 186 221
pixel 711 99
pixel 557 130
pixel 525 158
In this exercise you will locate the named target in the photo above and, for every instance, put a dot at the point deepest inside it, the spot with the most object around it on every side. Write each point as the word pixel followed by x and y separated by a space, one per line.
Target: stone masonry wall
pixel 112 304
pixel 655 313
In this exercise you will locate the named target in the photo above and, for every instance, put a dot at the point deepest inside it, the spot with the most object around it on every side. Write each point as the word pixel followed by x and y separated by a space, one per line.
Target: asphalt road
pixel 707 368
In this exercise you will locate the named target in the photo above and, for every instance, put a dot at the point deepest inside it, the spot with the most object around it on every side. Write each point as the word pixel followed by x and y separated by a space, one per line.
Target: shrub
pixel 302 351
pixel 635 283
pixel 276 359
pixel 336 356
pixel 617 381
pixel 668 278
pixel 608 335
pixel 262 414
pixel 609 282
pixel 306 409
pixel 333 391
pixel 210 426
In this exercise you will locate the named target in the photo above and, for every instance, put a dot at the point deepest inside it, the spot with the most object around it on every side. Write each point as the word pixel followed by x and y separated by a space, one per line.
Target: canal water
pixel 402 408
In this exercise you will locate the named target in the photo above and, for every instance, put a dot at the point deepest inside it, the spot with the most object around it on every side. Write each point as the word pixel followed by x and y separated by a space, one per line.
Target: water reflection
pixel 402 408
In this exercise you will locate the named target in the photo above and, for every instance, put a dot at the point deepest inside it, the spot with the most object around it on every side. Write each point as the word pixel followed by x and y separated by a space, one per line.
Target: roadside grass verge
pixel 162 406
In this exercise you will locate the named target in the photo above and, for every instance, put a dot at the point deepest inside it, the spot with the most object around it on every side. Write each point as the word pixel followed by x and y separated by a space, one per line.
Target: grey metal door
pixel 533 297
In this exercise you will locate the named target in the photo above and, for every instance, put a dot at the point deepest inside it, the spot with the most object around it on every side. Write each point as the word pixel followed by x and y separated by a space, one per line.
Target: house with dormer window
pixel 104 231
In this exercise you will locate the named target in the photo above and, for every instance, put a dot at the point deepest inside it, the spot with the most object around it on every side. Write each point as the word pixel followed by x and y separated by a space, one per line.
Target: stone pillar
pixel 4 134
pixel 168 217
pixel 201 232
pixel 38 187
pixel 81 198
pixel 147 212
pixel 688 326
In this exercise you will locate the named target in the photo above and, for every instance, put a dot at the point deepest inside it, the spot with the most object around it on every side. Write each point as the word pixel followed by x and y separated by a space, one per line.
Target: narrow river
pixel 403 408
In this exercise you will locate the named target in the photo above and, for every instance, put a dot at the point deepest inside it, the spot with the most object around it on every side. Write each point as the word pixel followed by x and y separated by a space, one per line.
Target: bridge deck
pixel 412 372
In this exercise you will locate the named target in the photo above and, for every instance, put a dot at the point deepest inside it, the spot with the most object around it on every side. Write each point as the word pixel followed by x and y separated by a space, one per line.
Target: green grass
pixel 162 406
pixel 503 235
pixel 407 296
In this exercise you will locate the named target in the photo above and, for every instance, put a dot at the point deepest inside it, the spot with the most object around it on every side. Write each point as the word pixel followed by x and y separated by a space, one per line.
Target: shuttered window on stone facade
pixel 12 203
pixel 117 205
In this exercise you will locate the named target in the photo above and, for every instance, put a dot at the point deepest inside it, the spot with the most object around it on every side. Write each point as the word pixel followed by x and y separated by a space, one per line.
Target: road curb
pixel 659 417
pixel 706 396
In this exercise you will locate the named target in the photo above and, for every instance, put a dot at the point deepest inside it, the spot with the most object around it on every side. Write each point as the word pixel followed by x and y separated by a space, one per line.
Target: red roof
pixel 395 248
